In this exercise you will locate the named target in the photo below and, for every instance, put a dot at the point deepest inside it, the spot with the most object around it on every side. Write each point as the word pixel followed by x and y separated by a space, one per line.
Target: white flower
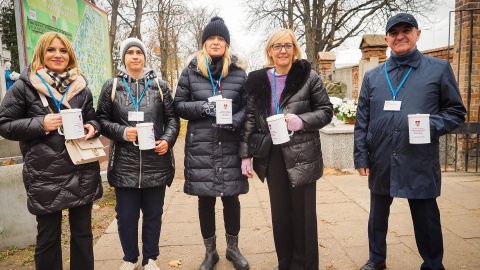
pixel 336 102
pixel 348 109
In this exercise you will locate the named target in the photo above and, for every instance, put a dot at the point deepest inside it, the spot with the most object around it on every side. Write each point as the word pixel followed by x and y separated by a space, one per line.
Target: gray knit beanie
pixel 216 27
pixel 129 42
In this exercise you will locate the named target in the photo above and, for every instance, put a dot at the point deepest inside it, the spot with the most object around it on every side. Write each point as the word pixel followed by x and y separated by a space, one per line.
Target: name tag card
pixel 214 98
pixel 135 116
pixel 391 105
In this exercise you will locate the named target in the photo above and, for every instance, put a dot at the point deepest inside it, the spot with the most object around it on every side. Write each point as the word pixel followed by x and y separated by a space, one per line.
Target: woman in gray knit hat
pixel 137 97
pixel 212 164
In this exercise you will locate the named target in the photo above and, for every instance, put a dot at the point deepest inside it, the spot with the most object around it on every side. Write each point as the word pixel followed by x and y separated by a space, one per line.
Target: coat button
pixel 220 169
pixel 220 143
pixel 395 131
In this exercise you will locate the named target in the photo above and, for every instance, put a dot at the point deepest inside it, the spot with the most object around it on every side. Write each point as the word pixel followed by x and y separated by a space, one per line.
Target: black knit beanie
pixel 216 27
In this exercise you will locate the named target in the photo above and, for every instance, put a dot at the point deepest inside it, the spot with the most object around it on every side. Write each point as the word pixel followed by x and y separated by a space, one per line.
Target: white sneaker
pixel 151 265
pixel 129 266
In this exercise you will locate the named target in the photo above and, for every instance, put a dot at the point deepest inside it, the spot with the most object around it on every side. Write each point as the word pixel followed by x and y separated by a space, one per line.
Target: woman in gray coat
pixel 212 164
pixel 289 86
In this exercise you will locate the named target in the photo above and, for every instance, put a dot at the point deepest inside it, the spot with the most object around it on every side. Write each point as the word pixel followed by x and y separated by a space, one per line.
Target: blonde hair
pixel 202 62
pixel 42 46
pixel 276 36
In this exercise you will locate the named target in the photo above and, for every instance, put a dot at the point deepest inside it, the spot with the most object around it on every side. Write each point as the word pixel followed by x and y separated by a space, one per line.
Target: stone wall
pixel 17 225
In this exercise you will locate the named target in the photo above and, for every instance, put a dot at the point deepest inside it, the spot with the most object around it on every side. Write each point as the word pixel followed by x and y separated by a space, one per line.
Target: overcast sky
pixel 433 35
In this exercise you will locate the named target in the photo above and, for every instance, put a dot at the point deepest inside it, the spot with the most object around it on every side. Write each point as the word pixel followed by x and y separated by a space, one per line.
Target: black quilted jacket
pixel 52 181
pixel 128 166
pixel 304 95
pixel 212 164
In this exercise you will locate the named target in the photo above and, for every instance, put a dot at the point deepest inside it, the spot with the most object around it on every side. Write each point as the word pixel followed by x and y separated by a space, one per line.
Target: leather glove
pixel 246 166
pixel 209 108
pixel 224 126
pixel 294 123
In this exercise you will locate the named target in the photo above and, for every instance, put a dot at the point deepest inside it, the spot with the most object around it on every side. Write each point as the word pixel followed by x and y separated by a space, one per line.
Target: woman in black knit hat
pixel 212 164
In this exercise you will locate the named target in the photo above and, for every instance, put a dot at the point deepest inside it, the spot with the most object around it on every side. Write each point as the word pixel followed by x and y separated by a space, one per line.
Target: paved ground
pixel 342 212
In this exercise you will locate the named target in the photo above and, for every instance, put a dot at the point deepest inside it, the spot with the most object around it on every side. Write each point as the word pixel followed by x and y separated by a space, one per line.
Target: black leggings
pixel 231 215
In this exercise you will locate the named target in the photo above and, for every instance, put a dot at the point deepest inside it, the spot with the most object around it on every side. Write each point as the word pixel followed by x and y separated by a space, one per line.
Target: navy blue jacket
pixel 398 168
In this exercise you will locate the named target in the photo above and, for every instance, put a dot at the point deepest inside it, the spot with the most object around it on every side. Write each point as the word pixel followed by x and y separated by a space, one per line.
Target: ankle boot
pixel 234 255
pixel 211 254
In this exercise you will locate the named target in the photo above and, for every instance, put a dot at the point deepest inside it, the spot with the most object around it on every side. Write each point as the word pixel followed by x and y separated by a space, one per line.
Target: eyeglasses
pixel 278 47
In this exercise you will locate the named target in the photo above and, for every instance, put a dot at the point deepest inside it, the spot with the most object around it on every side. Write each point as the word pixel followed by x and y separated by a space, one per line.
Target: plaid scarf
pixel 61 81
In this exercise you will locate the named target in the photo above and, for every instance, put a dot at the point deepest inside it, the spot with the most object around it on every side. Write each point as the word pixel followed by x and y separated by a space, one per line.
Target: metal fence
pixel 461 146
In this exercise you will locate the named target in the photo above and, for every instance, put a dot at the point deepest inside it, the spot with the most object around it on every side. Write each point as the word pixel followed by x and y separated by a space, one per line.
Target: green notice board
pixel 83 23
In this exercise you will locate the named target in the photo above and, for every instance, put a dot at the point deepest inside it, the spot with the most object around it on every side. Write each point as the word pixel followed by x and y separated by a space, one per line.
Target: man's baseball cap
pixel 401 18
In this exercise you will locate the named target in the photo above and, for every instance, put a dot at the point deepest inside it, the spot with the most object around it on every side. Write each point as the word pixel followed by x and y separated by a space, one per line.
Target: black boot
pixel 211 254
pixel 234 255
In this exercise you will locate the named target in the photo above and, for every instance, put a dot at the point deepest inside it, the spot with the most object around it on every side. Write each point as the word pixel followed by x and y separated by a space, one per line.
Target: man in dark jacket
pixel 407 83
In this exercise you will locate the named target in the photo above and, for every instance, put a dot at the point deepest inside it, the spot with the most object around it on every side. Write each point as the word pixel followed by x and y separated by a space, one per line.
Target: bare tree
pixel 136 29
pixel 200 17
pixel 168 17
pixel 324 25
pixel 113 28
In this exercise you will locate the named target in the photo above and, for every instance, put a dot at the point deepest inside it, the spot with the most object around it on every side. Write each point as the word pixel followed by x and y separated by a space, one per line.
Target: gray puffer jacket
pixel 212 164
pixel 304 95
pixel 128 166
pixel 52 181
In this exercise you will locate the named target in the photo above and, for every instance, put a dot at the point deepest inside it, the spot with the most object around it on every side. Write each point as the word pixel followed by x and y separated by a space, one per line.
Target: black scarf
pixel 216 67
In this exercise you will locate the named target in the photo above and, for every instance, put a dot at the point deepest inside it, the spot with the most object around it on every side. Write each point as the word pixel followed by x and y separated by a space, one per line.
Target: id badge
pixel 214 98
pixel 392 105
pixel 135 116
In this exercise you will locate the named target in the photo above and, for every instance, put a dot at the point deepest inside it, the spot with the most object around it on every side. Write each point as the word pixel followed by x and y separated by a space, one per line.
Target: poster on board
pixel 84 24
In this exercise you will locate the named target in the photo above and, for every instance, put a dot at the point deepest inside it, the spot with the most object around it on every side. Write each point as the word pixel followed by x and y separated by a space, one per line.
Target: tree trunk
pixel 113 29
pixel 138 19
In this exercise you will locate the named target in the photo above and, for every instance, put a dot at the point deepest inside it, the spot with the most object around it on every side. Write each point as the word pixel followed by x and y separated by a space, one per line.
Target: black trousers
pixel 48 251
pixel 129 203
pixel 231 215
pixel 294 217
pixel 426 224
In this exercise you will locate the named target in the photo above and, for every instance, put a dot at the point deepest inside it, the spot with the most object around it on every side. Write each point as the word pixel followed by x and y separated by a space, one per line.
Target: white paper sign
pixel 419 128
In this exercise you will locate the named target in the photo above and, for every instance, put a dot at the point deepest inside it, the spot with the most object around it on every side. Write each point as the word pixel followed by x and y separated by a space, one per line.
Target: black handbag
pixel 259 144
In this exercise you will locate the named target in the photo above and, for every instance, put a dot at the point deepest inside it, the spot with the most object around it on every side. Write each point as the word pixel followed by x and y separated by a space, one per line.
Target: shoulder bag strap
pixel 45 102
pixel 114 88
pixel 159 89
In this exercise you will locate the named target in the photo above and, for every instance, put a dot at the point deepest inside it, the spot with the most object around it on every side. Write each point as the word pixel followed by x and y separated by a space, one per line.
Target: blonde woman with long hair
pixel 52 181
pixel 212 165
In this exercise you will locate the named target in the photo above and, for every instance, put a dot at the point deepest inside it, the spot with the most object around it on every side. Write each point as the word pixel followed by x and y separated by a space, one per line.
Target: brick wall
pixel 464 42
pixel 441 53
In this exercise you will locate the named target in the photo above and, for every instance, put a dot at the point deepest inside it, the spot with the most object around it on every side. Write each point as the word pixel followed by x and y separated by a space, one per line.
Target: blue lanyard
pixel 135 103
pixel 57 103
pixel 218 84
pixel 394 93
pixel 277 106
